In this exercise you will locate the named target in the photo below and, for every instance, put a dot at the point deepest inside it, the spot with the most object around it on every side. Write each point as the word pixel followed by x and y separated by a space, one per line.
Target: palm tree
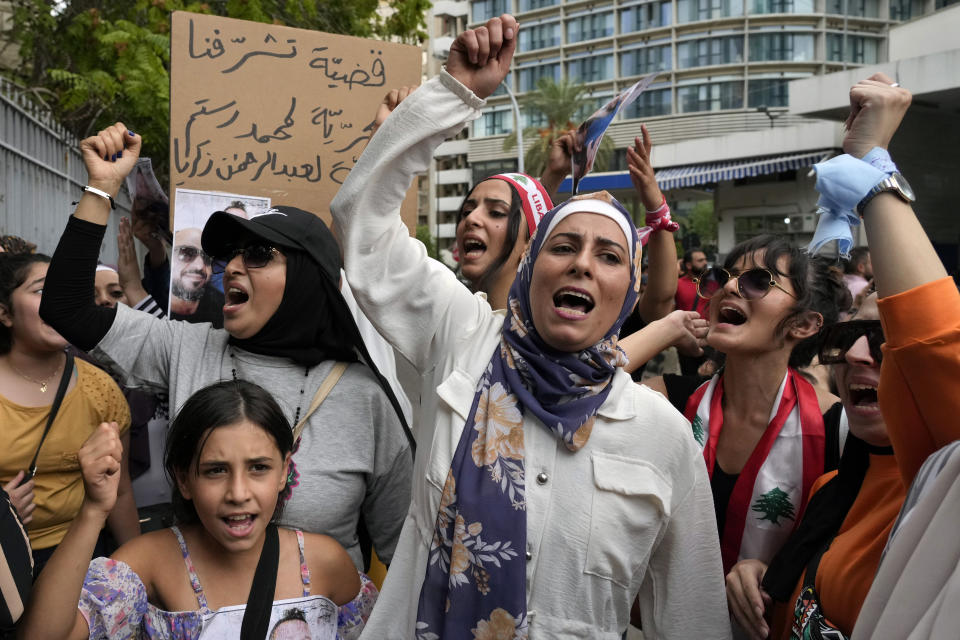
pixel 563 105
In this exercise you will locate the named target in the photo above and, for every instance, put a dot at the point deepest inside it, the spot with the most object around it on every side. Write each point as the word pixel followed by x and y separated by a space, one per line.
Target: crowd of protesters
pixel 173 479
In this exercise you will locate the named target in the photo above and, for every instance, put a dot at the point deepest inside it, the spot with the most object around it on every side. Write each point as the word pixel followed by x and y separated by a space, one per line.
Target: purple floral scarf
pixel 475 584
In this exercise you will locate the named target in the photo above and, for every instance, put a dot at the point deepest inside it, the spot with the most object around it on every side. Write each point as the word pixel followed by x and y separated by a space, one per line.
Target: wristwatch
pixel 896 183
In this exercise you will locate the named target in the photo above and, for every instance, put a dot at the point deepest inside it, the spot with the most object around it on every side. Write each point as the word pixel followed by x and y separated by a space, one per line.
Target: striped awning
pixel 699 174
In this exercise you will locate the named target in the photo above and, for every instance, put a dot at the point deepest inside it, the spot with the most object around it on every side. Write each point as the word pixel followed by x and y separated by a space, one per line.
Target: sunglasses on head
pixel 837 339
pixel 752 284
pixel 189 253
pixel 254 256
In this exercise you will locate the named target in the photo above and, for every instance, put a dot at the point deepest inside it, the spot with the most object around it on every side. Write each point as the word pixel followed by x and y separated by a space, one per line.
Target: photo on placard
pixel 590 133
pixel 196 282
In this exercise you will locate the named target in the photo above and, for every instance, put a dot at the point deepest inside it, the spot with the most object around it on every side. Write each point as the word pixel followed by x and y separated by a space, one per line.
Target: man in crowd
pixel 858 270
pixel 192 295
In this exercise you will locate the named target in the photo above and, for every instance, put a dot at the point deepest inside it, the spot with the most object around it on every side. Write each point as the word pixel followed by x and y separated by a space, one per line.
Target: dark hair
pixel 817 284
pixel 14 268
pixel 219 405
pixel 688 256
pixel 513 231
pixel 858 256
pixel 237 204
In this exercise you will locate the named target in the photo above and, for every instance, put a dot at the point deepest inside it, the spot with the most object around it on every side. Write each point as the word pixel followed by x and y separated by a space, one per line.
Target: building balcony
pixel 451 8
pixel 440 47
pixel 454 176
pixel 452 148
pixel 447 230
pixel 449 203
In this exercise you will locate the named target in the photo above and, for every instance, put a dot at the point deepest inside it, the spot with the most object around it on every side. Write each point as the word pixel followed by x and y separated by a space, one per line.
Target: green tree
pixel 93 62
pixel 698 227
pixel 774 504
pixel 424 236
pixel 563 105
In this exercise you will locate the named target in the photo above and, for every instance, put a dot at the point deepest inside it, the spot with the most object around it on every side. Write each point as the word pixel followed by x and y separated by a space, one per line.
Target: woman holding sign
pixel 286 326
pixel 551 489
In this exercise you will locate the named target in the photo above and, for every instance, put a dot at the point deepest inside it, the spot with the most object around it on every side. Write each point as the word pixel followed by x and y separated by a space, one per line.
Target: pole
pixel 518 126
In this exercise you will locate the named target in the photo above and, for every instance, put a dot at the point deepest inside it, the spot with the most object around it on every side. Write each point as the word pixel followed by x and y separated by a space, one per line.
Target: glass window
pixel 861 8
pixel 768 93
pixel 710 97
pixel 646 16
pixel 528 76
pixel 855 49
pixel 534 118
pixel 792 47
pixel 940 4
pixel 589 27
pixel 483 170
pixel 530 5
pixel 591 69
pixel 693 10
pixel 781 6
pixel 905 9
pixel 483 10
pixel 539 36
pixel 639 61
pixel 700 53
pixel 493 123
pixel 652 102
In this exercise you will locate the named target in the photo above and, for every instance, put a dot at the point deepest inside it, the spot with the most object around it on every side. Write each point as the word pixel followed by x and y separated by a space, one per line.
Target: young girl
pixel 227 454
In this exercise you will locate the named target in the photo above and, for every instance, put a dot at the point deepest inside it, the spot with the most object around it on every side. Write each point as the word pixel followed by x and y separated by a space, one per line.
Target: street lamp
pixel 517 124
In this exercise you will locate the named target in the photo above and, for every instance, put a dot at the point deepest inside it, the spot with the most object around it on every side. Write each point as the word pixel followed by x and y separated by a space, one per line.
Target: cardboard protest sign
pixel 274 111
pixel 590 133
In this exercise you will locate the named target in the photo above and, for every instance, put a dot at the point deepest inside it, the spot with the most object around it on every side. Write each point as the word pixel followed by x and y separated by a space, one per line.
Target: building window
pixel 790 47
pixel 534 118
pixel 483 170
pixel 708 51
pixel 768 93
pixel 529 76
pixel 483 10
pixel 710 97
pixel 693 10
pixel 860 8
pixel 493 123
pixel 652 102
pixel 591 69
pixel 539 36
pixel 856 49
pixel 646 16
pixel 940 4
pixel 905 9
pixel 636 62
pixel 530 5
pixel 781 6
pixel 590 27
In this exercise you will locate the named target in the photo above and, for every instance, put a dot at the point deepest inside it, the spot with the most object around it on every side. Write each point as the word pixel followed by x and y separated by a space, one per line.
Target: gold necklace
pixel 42 383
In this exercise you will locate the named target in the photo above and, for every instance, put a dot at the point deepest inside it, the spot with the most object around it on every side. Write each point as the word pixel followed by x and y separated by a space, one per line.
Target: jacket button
pixel 529 555
pixel 542 478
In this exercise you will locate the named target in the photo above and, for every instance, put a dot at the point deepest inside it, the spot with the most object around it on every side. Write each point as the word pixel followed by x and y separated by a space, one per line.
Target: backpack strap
pixel 325 388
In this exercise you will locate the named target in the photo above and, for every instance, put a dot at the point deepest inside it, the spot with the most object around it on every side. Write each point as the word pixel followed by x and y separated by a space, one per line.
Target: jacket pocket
pixel 631 501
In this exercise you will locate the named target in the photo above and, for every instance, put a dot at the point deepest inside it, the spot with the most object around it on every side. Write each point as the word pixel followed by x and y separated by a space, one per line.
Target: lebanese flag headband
pixel 536 202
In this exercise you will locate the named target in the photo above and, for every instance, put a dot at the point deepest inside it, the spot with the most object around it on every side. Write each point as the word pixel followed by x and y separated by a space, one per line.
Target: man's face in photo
pixel 190 267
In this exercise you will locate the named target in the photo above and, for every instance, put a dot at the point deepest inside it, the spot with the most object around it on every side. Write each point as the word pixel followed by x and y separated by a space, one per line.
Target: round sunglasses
pixel 752 284
pixel 188 253
pixel 837 339
pixel 254 256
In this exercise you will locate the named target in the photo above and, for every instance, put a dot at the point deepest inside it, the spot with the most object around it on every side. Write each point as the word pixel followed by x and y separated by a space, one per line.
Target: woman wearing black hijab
pixel 285 327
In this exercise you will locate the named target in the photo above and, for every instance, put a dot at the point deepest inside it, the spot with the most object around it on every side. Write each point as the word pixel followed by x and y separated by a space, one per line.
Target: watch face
pixel 903 186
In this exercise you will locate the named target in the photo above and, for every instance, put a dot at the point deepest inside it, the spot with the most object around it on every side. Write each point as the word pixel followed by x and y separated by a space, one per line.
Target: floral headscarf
pixel 475 584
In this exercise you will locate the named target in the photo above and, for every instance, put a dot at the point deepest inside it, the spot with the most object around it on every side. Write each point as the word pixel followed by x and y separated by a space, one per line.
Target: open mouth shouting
pixel 239 525
pixel 234 297
pixel 863 397
pixel 571 303
pixel 730 314
pixel 473 248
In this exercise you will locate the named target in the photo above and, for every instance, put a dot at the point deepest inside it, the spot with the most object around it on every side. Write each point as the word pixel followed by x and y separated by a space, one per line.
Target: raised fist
pixel 480 58
pixel 876 109
pixel 100 460
pixel 109 156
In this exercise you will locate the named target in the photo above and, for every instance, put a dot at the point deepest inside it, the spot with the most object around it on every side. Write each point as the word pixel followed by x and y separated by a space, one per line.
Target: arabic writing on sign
pixel 257 149
pixel 237 51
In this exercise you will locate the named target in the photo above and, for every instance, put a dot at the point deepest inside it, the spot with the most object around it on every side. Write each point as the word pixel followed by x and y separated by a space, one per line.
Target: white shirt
pixel 630 513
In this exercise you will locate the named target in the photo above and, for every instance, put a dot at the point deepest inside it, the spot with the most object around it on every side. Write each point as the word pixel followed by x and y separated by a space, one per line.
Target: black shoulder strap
pixel 54 408
pixel 256 617
pixel 831 426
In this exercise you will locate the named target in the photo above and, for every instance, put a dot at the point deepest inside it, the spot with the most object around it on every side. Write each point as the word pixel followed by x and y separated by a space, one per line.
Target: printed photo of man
pixel 192 294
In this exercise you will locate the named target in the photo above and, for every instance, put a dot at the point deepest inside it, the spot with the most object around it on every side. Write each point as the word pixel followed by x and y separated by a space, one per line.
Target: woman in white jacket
pixel 618 503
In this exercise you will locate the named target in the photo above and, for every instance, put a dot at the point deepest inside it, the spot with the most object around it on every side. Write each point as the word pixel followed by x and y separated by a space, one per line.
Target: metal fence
pixel 41 173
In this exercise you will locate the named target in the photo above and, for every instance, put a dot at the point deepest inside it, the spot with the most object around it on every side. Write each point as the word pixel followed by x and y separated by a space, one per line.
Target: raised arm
pixel 52 610
pixel 406 295
pixel 67 304
pixel 658 297
pixel 681 328
pixel 558 163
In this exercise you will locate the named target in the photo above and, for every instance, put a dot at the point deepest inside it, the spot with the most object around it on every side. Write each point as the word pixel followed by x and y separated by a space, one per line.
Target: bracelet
pixel 103 194
pixel 659 219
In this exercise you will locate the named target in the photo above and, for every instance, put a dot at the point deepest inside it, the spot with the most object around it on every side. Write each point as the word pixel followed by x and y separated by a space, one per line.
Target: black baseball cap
pixel 283 227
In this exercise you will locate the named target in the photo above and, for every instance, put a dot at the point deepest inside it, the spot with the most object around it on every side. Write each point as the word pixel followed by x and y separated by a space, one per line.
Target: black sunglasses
pixel 837 339
pixel 752 284
pixel 189 253
pixel 254 256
